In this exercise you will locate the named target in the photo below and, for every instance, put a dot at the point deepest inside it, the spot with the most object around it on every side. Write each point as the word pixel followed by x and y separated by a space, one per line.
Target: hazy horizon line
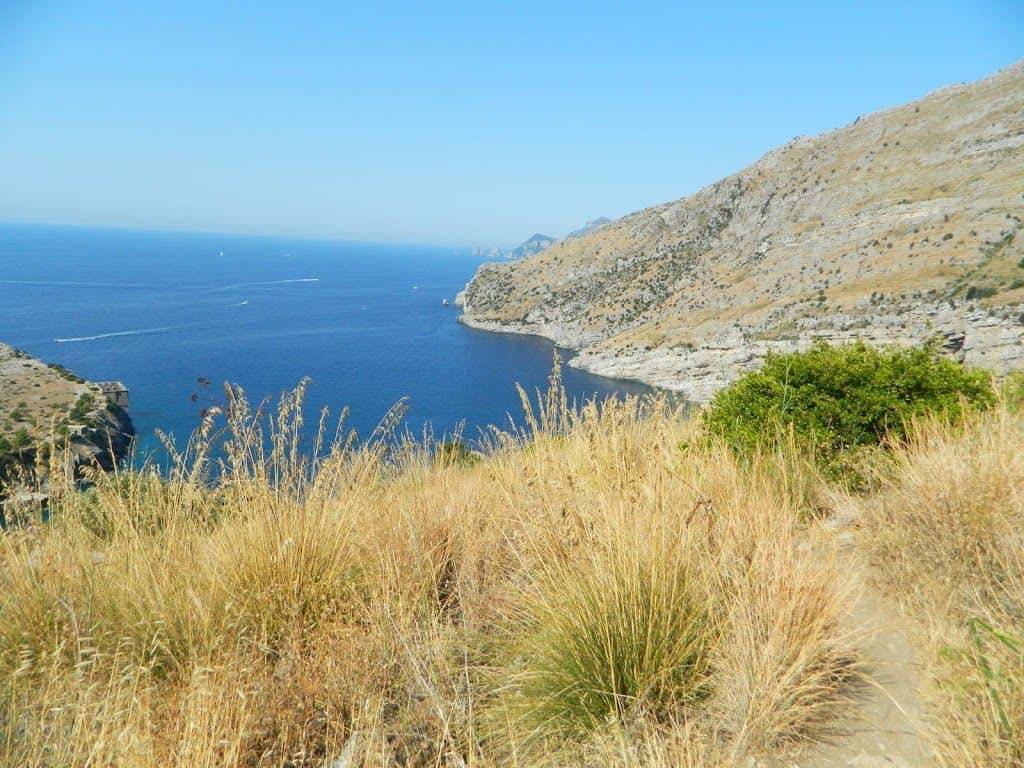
pixel 163 230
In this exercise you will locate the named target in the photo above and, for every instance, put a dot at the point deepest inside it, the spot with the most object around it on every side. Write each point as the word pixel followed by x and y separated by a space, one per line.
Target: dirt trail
pixel 889 725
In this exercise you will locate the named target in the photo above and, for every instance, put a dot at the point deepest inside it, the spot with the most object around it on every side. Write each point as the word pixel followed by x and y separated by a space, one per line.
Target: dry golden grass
pixel 598 588
pixel 947 535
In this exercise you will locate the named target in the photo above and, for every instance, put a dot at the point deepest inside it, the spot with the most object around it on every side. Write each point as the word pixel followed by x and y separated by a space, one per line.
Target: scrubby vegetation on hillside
pixel 601 587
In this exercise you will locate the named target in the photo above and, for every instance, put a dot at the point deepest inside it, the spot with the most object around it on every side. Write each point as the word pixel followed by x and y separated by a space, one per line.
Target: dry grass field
pixel 602 587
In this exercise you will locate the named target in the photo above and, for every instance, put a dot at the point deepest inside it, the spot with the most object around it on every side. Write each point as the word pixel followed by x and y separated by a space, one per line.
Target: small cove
pixel 168 312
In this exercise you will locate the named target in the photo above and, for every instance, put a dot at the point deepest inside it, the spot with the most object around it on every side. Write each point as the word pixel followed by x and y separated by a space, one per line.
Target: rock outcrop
pixel 898 227
pixel 44 404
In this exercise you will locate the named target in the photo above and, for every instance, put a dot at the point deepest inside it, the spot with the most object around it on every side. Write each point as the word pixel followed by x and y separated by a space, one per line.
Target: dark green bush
pixel 21 440
pixel 83 407
pixel 64 373
pixel 456 452
pixel 835 400
pixel 980 292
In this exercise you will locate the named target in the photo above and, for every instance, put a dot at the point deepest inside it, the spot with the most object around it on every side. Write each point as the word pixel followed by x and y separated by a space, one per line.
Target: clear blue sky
pixel 422 122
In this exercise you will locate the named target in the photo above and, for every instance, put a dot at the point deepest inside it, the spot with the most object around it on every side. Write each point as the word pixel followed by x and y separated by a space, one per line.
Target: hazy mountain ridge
pixel 529 247
pixel 896 227
pixel 538 243
pixel 589 227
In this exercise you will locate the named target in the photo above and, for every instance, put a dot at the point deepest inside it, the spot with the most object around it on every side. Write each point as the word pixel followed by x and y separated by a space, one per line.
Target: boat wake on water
pixel 270 282
pixel 98 336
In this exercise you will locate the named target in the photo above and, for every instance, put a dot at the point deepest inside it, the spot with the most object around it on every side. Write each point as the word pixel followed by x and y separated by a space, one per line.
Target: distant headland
pixel 44 406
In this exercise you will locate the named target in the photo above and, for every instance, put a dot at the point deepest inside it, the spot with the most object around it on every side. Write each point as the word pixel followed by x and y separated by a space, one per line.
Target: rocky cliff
pixel 41 402
pixel 903 225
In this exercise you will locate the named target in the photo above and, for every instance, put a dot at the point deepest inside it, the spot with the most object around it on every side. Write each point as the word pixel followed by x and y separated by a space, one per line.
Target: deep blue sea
pixel 159 311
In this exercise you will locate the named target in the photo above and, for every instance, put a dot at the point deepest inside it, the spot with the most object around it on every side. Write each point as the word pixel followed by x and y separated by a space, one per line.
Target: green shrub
pixel 83 407
pixel 64 373
pixel 21 440
pixel 455 453
pixel 980 292
pixel 835 400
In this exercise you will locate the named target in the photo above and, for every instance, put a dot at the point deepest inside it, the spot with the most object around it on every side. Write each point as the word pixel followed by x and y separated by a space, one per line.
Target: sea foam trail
pixel 137 332
pixel 270 282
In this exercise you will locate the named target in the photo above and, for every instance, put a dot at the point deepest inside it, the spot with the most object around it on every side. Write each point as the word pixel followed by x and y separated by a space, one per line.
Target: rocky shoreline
pixel 977 337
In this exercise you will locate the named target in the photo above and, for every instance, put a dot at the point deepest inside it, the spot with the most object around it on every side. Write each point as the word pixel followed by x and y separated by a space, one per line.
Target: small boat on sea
pixel 445 302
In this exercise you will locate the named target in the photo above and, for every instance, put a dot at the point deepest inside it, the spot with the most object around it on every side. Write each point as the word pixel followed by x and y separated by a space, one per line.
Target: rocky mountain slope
pixel 899 227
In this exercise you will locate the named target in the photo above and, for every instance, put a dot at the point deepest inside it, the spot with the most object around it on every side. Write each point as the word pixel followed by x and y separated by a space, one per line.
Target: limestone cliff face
pixel 899 226
pixel 106 439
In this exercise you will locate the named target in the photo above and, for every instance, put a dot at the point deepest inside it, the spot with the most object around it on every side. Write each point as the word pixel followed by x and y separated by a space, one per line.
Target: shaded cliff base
pixel 990 338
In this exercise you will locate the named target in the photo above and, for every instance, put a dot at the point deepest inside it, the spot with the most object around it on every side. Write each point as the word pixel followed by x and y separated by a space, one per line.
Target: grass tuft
pixel 946 532
pixel 608 636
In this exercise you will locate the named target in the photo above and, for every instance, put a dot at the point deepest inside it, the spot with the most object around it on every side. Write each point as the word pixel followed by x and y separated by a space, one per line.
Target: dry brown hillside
pixel 40 401
pixel 899 226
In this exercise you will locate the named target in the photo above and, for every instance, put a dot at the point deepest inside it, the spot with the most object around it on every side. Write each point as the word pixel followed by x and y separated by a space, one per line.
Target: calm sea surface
pixel 364 321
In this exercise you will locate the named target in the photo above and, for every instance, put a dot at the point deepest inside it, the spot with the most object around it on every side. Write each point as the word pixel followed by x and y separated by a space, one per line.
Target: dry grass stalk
pixel 373 602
